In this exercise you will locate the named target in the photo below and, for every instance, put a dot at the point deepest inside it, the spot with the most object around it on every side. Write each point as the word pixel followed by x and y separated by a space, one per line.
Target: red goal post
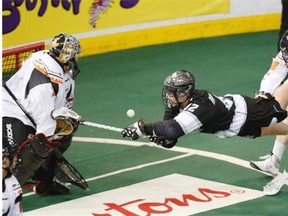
pixel 13 58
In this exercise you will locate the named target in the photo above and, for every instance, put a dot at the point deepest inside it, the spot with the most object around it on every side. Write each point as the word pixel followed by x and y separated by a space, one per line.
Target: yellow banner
pixel 28 21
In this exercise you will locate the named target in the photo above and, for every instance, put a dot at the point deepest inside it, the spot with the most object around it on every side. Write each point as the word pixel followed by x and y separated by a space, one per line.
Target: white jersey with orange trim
pixel 40 85
pixel 11 197
pixel 276 75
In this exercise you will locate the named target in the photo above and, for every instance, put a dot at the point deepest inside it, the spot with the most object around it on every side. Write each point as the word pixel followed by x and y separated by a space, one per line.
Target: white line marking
pixel 187 152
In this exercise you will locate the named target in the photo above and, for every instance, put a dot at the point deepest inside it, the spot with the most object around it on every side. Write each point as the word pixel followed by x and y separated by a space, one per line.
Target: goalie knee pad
pixel 31 154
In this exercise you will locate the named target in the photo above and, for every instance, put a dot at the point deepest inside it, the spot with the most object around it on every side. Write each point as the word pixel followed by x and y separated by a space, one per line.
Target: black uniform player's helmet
pixel 180 83
pixel 9 148
pixel 284 46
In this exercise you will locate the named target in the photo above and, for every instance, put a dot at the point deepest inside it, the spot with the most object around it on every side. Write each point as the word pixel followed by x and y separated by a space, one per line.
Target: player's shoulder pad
pixel 45 64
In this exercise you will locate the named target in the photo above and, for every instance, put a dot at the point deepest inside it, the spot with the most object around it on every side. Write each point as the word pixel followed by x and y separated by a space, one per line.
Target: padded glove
pixel 163 142
pixel 135 130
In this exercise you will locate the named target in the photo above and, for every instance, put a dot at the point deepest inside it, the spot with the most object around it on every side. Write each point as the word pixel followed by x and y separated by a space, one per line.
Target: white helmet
pixel 65 47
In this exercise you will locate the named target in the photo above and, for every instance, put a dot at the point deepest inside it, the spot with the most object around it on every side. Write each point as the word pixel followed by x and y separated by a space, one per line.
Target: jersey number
pixel 192 107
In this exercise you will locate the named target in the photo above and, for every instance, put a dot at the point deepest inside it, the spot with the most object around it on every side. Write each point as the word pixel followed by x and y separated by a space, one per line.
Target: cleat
pixel 276 184
pixel 269 164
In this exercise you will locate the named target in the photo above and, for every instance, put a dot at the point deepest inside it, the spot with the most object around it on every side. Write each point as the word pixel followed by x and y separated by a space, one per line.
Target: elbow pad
pixel 169 129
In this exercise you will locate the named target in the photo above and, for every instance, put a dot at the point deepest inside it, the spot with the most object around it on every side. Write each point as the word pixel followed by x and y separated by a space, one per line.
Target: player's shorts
pixel 261 112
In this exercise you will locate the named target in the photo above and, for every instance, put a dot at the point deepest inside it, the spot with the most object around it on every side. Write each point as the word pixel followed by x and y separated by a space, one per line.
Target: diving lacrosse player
pixel 11 189
pixel 44 83
pixel 275 81
pixel 189 109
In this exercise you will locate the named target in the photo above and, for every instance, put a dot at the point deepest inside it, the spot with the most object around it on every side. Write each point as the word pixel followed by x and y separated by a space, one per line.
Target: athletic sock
pixel 278 149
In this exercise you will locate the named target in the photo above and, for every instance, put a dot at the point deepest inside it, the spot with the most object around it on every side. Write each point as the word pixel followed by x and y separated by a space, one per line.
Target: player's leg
pixel 45 175
pixel 270 163
pixel 31 154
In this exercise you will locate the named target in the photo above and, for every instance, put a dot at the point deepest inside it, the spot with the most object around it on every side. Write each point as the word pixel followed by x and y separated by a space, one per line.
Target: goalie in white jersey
pixel 11 189
pixel 189 109
pixel 275 81
pixel 45 82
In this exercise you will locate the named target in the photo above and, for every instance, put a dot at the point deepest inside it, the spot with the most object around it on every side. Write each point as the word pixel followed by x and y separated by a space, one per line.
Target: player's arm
pixel 164 133
pixel 169 129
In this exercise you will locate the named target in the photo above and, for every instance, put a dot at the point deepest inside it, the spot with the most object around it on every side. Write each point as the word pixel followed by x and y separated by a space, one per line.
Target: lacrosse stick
pixel 64 113
pixel 102 126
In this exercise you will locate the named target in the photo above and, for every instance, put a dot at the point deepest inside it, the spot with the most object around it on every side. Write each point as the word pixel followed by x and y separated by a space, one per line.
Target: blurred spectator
pixel 284 20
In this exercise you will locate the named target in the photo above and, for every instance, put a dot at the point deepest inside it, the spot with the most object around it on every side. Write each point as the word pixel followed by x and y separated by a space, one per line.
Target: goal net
pixel 13 58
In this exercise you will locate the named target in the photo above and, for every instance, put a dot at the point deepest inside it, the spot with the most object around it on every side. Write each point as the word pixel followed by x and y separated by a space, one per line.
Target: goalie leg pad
pixel 31 154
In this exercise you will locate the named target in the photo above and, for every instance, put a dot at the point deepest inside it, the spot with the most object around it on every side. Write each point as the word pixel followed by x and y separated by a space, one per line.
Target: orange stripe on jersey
pixel 274 65
pixel 40 68
pixel 56 80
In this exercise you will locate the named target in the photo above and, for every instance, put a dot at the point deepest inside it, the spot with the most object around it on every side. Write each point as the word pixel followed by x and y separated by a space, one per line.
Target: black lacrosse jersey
pixel 227 116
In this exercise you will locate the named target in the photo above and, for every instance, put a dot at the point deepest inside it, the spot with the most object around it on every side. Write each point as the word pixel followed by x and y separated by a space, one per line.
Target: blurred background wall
pixel 104 25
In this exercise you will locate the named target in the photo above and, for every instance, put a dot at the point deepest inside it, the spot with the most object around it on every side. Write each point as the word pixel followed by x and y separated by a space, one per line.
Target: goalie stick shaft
pixel 102 126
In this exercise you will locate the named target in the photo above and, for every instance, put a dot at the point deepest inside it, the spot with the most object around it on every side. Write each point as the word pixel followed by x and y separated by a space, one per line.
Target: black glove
pixel 163 142
pixel 135 130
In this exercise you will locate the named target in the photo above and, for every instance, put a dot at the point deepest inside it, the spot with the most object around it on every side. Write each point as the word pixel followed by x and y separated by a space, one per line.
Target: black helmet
pixel 284 46
pixel 180 83
pixel 9 147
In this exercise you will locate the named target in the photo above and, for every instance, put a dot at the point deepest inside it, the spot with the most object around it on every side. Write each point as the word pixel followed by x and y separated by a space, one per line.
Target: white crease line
pixel 187 152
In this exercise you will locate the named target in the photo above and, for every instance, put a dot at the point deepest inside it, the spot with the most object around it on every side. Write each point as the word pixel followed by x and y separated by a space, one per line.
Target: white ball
pixel 130 113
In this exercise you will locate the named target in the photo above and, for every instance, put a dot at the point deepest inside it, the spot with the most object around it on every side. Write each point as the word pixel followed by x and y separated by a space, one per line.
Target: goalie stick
pixel 102 126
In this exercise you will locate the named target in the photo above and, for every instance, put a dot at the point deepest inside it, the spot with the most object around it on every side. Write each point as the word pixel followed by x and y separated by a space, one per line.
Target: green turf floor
pixel 109 84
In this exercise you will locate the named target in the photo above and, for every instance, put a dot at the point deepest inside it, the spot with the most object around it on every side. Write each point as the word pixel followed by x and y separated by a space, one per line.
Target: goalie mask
pixel 284 46
pixel 65 47
pixel 178 87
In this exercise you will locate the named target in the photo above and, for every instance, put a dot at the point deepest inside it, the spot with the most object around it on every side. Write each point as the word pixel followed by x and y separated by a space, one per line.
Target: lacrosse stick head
pixel 66 172
pixel 63 113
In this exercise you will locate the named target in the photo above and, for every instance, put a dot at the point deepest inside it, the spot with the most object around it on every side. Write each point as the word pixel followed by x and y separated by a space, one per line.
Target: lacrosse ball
pixel 130 113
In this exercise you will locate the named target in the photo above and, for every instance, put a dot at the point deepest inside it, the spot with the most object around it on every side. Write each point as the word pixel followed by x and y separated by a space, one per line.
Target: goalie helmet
pixel 181 83
pixel 65 47
pixel 284 46
pixel 9 148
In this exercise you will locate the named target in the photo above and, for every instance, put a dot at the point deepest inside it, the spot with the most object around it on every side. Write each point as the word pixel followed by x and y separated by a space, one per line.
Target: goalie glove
pixel 67 122
pixel 135 130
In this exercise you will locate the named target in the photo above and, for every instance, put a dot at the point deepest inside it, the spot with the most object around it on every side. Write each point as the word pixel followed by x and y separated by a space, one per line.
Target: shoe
pixel 270 164
pixel 275 185
pixel 54 188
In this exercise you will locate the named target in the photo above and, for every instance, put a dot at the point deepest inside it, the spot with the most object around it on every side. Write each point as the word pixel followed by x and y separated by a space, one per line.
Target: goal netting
pixel 13 58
